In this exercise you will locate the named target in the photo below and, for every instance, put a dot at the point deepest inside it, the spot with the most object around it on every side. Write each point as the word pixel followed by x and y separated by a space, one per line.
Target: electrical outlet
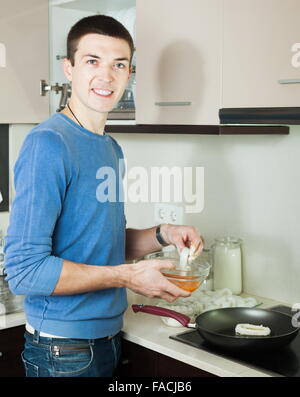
pixel 166 213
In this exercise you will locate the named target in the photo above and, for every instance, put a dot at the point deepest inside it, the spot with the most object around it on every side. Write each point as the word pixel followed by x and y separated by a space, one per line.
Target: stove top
pixel 285 362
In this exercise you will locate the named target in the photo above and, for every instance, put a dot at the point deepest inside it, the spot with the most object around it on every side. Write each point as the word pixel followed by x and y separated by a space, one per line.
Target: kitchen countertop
pixel 12 320
pixel 149 331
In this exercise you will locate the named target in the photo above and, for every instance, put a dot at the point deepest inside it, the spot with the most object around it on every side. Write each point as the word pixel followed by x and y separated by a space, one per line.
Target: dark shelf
pixel 196 129
pixel 278 115
pixel 163 129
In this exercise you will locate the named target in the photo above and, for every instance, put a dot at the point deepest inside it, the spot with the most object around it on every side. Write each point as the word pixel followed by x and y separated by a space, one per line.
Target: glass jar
pixel 9 302
pixel 1 253
pixel 227 263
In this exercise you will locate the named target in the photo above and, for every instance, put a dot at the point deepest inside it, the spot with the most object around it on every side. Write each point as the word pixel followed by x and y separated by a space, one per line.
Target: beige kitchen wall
pixel 251 190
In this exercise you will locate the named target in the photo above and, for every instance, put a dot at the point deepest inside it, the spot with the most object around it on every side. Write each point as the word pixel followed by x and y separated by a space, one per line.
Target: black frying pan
pixel 218 326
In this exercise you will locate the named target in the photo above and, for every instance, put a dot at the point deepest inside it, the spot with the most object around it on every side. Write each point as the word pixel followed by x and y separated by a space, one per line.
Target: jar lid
pixel 228 240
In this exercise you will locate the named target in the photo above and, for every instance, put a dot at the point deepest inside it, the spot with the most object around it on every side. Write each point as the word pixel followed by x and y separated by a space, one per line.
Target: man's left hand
pixel 183 236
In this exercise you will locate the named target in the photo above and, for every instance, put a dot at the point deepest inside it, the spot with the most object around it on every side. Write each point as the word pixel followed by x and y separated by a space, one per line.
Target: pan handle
pixel 161 311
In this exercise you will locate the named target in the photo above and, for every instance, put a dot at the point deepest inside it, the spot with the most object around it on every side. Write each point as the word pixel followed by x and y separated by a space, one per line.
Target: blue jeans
pixel 57 357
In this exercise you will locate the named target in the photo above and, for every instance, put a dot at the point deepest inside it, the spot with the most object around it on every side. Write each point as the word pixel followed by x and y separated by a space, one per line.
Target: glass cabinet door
pixel 63 14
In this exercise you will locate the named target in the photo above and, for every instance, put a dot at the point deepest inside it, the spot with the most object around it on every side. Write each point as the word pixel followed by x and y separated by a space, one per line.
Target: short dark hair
pixel 101 24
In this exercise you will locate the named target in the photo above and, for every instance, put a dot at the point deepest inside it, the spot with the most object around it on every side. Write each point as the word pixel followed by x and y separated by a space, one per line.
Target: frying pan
pixel 218 326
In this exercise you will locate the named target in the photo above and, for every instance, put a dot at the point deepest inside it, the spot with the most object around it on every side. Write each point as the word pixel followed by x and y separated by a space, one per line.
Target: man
pixel 65 246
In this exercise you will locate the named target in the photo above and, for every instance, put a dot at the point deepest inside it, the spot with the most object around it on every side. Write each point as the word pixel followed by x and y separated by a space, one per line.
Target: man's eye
pixel 120 65
pixel 92 61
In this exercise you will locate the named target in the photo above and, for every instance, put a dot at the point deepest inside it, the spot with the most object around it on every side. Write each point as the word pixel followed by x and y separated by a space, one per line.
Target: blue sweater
pixel 59 212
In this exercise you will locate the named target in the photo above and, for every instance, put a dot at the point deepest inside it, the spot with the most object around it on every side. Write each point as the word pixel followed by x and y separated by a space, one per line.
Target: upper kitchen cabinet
pixel 24 60
pixel 178 61
pixel 261 54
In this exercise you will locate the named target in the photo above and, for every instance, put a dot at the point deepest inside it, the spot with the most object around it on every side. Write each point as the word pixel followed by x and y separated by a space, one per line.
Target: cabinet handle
pixel 173 103
pixel 59 57
pixel 289 81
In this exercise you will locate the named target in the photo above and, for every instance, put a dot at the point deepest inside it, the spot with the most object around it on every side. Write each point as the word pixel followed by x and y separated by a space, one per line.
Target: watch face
pixel 4 168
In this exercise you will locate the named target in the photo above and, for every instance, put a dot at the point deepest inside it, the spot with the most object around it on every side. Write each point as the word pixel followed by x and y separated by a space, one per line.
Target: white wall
pixel 252 191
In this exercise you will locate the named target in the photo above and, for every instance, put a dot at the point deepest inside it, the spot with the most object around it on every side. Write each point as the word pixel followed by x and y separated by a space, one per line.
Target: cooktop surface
pixel 285 361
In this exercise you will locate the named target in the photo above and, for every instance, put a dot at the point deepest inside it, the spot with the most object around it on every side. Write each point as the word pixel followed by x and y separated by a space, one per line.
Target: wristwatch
pixel 160 238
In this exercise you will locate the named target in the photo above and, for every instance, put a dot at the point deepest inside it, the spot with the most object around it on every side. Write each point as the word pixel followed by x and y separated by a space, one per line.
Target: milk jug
pixel 227 262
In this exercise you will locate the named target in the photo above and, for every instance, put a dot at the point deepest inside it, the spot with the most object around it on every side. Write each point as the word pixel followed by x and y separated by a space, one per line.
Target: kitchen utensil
pixel 201 301
pixel 188 280
pixel 218 326
pixel 1 251
pixel 189 277
pixel 189 306
pixel 208 284
pixel 9 302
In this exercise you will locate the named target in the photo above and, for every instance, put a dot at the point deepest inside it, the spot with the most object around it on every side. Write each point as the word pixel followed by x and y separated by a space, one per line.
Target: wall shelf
pixel 197 129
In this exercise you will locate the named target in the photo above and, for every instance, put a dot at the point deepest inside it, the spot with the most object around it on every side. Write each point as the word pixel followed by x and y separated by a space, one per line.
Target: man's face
pixel 100 73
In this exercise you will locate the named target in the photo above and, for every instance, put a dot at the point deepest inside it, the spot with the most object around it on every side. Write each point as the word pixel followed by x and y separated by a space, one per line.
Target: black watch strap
pixel 159 237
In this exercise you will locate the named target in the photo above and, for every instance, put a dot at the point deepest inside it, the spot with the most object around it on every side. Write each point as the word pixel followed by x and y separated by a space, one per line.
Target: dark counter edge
pixel 196 129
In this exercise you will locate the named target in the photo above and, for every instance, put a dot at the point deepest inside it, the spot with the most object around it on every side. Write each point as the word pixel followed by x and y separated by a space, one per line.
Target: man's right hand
pixel 145 278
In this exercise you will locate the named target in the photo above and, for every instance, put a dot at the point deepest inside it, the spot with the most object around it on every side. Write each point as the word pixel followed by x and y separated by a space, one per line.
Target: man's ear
pixel 67 67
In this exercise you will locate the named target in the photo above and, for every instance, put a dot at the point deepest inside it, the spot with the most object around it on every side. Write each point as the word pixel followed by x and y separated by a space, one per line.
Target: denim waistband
pixel 37 338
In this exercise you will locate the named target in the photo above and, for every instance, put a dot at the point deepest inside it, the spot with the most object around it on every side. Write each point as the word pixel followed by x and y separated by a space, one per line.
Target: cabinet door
pixel 178 61
pixel 136 361
pixel 23 60
pixel 169 367
pixel 259 49
pixel 11 347
pixel 139 361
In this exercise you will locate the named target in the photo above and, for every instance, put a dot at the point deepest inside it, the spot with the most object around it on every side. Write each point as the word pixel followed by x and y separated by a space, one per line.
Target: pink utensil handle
pixel 161 311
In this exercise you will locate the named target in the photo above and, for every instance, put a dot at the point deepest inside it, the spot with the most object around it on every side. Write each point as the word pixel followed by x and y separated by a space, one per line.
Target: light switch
pixel 2 56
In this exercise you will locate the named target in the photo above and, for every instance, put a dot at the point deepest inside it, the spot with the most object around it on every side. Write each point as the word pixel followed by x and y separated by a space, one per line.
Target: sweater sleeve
pixel 41 177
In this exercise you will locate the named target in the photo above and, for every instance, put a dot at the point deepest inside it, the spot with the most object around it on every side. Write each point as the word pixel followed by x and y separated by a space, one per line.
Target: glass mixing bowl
pixel 191 277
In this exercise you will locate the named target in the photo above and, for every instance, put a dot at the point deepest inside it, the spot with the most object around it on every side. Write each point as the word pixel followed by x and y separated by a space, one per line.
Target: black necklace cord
pixel 74 116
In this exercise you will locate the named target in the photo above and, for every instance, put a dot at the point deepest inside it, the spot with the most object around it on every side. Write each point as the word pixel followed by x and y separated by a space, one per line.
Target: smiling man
pixel 99 68
pixel 65 250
